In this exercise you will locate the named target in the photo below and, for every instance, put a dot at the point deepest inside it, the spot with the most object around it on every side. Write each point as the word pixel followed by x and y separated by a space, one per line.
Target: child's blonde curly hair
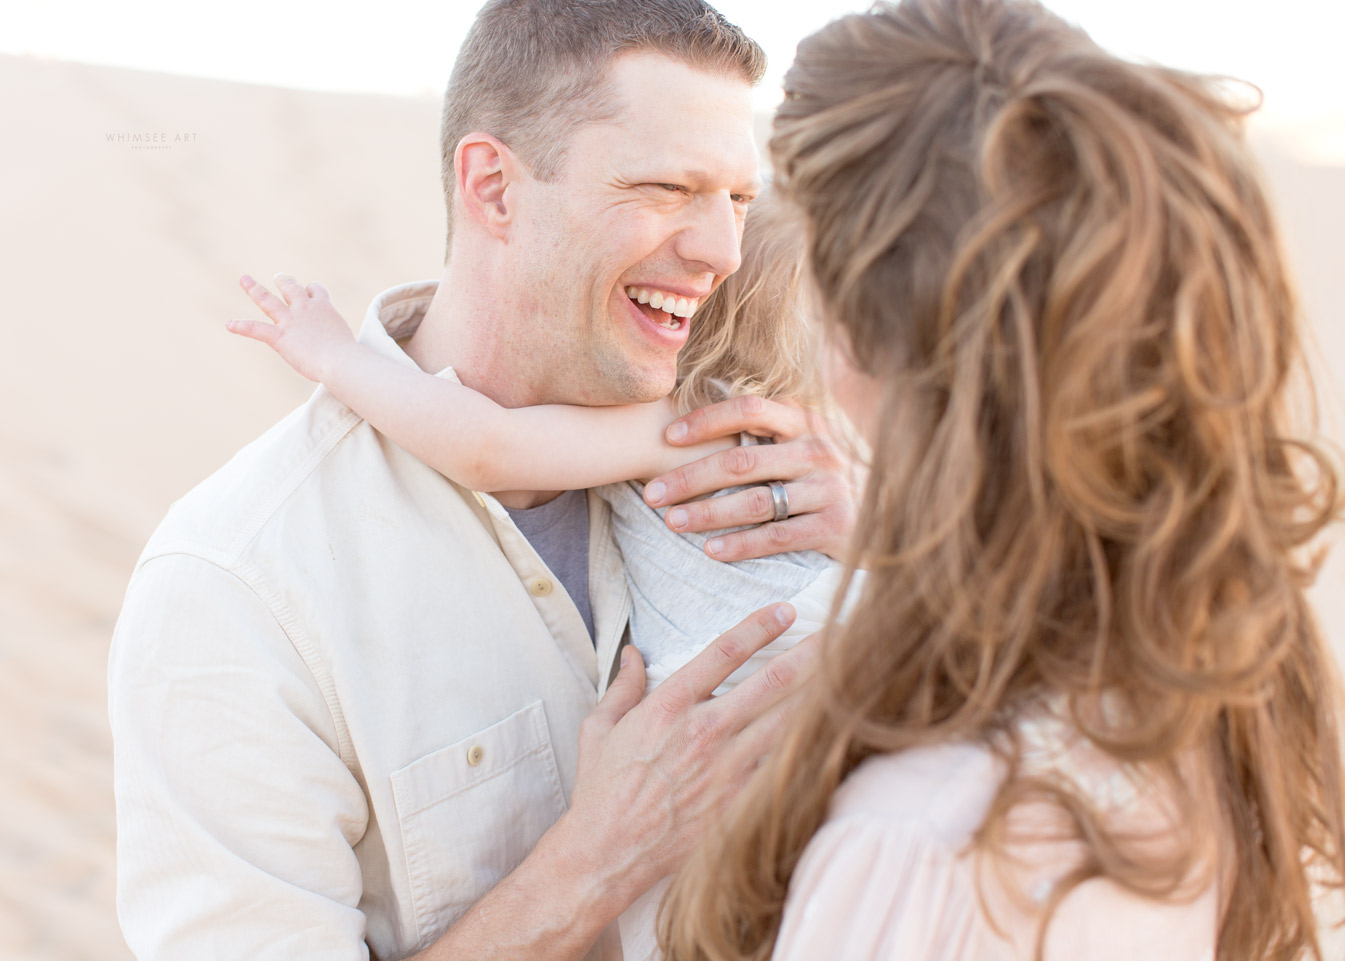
pixel 752 335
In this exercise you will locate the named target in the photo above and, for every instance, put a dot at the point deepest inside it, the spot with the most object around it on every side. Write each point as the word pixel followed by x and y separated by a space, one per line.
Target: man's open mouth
pixel 665 309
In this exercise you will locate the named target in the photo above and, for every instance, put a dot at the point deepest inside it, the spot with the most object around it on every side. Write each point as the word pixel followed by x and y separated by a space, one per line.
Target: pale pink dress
pixel 889 875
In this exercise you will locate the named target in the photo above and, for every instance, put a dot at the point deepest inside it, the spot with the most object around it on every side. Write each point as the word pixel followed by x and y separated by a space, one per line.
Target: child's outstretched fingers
pixel 290 289
pixel 254 329
pixel 271 305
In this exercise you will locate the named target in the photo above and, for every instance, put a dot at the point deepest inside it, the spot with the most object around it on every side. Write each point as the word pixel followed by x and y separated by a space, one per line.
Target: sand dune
pixel 119 259
pixel 1311 204
pixel 120 265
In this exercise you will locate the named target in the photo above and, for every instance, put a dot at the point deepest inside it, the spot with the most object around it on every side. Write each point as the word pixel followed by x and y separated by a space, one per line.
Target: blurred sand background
pixel 122 390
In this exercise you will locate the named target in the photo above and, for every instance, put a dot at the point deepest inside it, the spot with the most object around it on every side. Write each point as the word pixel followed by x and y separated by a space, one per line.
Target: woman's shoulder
pixel 945 789
pixel 948 787
pixel 942 790
pixel 901 836
pixel 886 876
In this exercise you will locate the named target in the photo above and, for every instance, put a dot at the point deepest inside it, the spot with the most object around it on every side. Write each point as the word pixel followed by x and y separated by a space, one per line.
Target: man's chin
pixel 651 394
pixel 619 398
pixel 628 386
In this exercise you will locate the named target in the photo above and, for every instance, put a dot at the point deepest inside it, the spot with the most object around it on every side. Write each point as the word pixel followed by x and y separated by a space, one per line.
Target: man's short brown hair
pixel 531 71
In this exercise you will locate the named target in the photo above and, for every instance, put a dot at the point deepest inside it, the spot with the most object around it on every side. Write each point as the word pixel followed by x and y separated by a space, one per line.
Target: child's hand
pixel 307 331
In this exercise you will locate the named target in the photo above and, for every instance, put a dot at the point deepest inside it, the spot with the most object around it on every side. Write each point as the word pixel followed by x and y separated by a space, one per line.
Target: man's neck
pixel 457 333
pixel 461 329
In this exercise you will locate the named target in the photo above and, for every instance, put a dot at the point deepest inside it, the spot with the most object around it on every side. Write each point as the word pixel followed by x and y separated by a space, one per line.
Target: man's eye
pixel 677 188
pixel 743 199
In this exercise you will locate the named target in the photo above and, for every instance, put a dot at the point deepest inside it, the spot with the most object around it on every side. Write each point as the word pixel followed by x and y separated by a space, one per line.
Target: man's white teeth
pixel 677 306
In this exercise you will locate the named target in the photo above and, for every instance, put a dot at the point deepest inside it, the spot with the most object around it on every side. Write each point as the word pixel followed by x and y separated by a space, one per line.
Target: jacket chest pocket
pixel 470 812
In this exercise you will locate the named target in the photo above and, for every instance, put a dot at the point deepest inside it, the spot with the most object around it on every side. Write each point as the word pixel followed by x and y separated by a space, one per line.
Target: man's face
pixel 651 202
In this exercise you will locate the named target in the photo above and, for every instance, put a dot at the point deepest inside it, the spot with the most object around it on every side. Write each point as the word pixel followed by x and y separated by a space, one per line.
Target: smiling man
pixel 651 199
pixel 346 694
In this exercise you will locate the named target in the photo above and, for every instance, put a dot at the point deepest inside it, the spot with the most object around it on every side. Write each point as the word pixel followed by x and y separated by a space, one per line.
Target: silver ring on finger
pixel 780 497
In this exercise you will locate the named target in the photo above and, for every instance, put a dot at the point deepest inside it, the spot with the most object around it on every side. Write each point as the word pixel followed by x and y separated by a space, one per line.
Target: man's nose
pixel 714 237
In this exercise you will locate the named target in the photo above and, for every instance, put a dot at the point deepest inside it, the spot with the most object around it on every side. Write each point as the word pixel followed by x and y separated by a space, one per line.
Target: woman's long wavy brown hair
pixel 1061 272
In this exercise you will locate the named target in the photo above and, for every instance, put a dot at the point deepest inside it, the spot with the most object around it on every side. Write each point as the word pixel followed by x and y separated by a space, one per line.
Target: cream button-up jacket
pixel 345 695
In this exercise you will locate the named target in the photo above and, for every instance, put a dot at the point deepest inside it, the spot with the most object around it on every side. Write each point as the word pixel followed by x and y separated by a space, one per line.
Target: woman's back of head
pixel 1062 275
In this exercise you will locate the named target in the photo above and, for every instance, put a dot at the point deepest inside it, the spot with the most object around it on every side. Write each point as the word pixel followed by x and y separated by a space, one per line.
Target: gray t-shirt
pixel 558 532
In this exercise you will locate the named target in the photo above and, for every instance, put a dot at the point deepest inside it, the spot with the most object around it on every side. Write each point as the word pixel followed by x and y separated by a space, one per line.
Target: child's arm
pixel 459 432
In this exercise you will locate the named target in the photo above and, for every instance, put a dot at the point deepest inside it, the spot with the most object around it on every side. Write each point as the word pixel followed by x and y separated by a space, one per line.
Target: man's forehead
pixel 623 155
pixel 644 79
pixel 680 120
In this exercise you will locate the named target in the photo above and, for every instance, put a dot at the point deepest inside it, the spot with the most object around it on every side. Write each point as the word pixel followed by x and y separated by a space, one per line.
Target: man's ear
pixel 487 172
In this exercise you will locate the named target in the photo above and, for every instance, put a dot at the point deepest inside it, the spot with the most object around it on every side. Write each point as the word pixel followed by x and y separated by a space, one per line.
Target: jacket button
pixel 474 755
pixel 539 586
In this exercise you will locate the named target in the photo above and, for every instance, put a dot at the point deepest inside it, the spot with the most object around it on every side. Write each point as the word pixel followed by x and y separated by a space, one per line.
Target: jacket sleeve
pixel 236 815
